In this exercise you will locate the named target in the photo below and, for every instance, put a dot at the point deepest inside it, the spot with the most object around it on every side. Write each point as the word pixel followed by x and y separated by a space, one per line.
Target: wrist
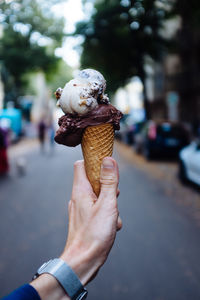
pixel 49 288
pixel 82 263
pixel 63 282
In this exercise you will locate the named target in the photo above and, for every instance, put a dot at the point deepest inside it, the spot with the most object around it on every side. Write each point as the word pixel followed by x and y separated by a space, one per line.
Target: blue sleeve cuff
pixel 25 292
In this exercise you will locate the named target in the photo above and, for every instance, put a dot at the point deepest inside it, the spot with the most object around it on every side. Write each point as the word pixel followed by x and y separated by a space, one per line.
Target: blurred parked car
pixel 128 129
pixel 119 134
pixel 161 139
pixel 189 163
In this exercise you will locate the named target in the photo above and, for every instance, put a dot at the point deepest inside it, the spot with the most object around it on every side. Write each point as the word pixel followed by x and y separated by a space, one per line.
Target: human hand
pixel 93 222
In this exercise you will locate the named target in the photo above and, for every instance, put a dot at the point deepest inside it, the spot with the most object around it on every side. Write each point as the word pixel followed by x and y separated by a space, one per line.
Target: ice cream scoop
pixel 72 126
pixel 89 120
pixel 83 93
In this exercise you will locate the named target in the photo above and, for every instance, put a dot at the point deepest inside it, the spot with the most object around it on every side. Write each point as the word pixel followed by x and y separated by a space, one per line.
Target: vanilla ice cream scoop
pixel 83 93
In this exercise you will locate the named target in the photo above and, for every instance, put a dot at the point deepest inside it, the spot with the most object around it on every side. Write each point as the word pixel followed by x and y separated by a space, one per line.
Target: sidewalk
pixel 167 173
pixel 158 169
pixel 22 147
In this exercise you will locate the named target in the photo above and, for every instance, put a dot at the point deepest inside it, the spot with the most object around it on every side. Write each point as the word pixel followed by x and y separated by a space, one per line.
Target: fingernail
pixel 107 163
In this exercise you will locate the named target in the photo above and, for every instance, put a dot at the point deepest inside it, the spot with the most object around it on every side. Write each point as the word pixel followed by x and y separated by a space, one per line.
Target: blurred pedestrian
pixel 93 224
pixel 42 134
pixel 4 165
pixel 51 136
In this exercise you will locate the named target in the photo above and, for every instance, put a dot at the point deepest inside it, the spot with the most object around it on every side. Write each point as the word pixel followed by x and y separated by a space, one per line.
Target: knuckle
pixel 73 198
pixel 109 180
pixel 69 205
pixel 78 163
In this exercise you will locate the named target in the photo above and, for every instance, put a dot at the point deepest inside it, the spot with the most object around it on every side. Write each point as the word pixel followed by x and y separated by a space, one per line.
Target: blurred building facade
pixel 1 83
pixel 130 99
pixel 173 86
pixel 43 105
pixel 161 80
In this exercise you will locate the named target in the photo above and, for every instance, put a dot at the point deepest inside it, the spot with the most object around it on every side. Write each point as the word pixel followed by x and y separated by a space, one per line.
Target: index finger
pixel 81 184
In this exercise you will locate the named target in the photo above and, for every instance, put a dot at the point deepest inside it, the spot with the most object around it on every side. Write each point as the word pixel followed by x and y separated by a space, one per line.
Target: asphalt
pixel 155 256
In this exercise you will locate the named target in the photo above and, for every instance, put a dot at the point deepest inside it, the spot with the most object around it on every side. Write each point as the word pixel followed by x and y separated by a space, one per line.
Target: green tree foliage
pixel 30 35
pixel 120 35
pixel 59 78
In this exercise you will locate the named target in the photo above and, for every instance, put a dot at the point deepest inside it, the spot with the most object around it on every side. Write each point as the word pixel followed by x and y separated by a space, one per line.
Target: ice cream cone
pixel 97 143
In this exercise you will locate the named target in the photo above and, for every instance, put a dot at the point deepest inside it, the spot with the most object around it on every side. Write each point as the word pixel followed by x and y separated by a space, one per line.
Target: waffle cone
pixel 97 143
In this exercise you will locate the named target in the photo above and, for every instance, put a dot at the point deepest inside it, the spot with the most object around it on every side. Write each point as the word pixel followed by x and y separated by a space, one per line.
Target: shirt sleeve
pixel 25 292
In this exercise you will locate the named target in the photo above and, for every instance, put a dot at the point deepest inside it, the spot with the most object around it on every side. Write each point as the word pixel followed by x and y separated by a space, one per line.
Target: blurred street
pixel 156 254
pixel 76 57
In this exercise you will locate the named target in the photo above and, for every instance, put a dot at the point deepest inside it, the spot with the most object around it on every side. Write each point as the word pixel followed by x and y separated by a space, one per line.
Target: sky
pixel 73 12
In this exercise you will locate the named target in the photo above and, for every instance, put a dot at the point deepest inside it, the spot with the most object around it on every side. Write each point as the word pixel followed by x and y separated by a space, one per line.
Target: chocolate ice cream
pixel 71 126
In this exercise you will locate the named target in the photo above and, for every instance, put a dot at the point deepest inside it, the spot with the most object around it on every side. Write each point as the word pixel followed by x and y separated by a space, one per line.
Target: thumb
pixel 109 178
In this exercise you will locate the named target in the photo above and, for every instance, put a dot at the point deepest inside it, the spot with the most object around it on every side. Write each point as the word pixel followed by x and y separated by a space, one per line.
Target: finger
pixel 79 173
pixel 80 183
pixel 109 178
pixel 119 223
pixel 69 206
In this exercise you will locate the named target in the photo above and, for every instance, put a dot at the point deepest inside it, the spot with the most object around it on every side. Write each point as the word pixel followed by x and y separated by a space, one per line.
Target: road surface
pixel 156 254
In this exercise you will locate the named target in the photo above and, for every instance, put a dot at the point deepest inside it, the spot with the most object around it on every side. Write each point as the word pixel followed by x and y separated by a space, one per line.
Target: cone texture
pixel 97 143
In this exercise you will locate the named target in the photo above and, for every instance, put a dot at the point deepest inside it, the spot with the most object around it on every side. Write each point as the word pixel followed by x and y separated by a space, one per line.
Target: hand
pixel 93 222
